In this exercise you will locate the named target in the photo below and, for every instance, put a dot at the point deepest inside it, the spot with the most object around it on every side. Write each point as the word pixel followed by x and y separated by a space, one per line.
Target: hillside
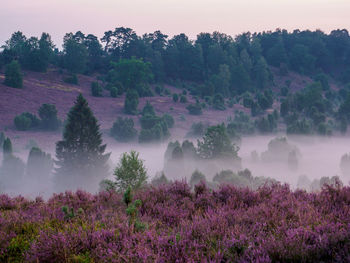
pixel 50 88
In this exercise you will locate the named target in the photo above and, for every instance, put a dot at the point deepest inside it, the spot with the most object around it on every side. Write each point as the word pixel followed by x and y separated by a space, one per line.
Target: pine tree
pixel 39 164
pixel 12 168
pixel 81 161
pixel 13 75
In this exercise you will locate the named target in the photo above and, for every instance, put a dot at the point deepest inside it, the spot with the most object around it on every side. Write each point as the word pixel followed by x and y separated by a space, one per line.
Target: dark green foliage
pixel 12 168
pixel 241 124
pixel 48 116
pixel 183 99
pixel 71 79
pixel 323 79
pixel 123 129
pixel 148 109
pixel 39 164
pixel 7 147
pixel 132 73
pixel 154 128
pixel 26 121
pixel 216 144
pixel 131 102
pixel 75 53
pixel 80 154
pixel 169 120
pixel 300 127
pixel 2 139
pixel 22 122
pixel 267 124
pixel 194 109
pixel 96 89
pixel 13 75
pixel 175 97
pixel 127 197
pixel 113 92
pixel 219 102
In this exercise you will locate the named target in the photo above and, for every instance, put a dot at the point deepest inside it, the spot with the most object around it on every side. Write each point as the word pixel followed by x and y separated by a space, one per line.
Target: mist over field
pixel 319 157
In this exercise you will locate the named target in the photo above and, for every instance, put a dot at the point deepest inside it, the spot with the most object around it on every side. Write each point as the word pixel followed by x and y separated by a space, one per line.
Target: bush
pixel 72 79
pixel 123 129
pixel 148 109
pixel 96 89
pixel 22 122
pixel 48 115
pixel 113 92
pixel 219 102
pixel 183 99
pixel 169 120
pixel 175 97
pixel 131 102
pixel 13 75
pixel 130 172
pixel 194 109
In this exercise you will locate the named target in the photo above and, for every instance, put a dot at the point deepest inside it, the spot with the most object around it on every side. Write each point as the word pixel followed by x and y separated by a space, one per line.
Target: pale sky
pixel 191 17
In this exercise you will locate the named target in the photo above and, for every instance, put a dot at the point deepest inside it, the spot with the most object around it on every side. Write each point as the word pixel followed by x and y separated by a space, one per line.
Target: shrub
pixel 113 92
pixel 219 102
pixel 194 109
pixel 148 110
pixel 131 102
pixel 175 97
pixel 183 99
pixel 71 79
pixel 22 122
pixel 96 89
pixel 169 120
pixel 13 75
pixel 48 115
pixel 123 129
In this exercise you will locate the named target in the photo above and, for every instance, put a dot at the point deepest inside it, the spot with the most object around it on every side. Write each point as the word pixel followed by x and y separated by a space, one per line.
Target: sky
pixel 172 17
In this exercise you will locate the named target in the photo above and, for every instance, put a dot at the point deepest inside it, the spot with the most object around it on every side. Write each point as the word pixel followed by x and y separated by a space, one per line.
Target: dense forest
pixel 216 69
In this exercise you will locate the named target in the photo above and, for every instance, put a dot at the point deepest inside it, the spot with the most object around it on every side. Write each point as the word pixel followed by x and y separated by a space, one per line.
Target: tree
pixel 81 154
pixel 75 53
pixel 130 172
pixel 216 144
pixel 22 122
pixel 13 75
pixel 39 164
pixel 12 168
pixel 48 115
pixel 131 102
pixel 96 89
pixel 132 73
pixel 123 129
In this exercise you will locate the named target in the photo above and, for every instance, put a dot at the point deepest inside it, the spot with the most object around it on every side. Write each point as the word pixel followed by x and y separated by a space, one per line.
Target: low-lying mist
pixel 315 157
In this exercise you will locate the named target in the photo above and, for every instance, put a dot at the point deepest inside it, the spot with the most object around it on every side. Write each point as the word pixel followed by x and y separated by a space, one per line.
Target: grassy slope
pixel 48 87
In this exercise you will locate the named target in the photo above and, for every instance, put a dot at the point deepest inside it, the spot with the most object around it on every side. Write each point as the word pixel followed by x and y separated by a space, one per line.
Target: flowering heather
pixel 271 224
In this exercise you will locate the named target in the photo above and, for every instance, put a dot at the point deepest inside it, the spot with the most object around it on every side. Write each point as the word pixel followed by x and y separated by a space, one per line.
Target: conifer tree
pixel 12 168
pixel 81 158
pixel 13 75
pixel 39 164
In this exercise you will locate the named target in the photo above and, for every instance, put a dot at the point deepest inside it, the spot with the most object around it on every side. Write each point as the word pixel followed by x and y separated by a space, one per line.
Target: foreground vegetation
pixel 171 223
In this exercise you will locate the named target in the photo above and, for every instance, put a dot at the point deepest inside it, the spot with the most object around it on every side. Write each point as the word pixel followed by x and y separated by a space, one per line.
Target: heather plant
pixel 227 224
